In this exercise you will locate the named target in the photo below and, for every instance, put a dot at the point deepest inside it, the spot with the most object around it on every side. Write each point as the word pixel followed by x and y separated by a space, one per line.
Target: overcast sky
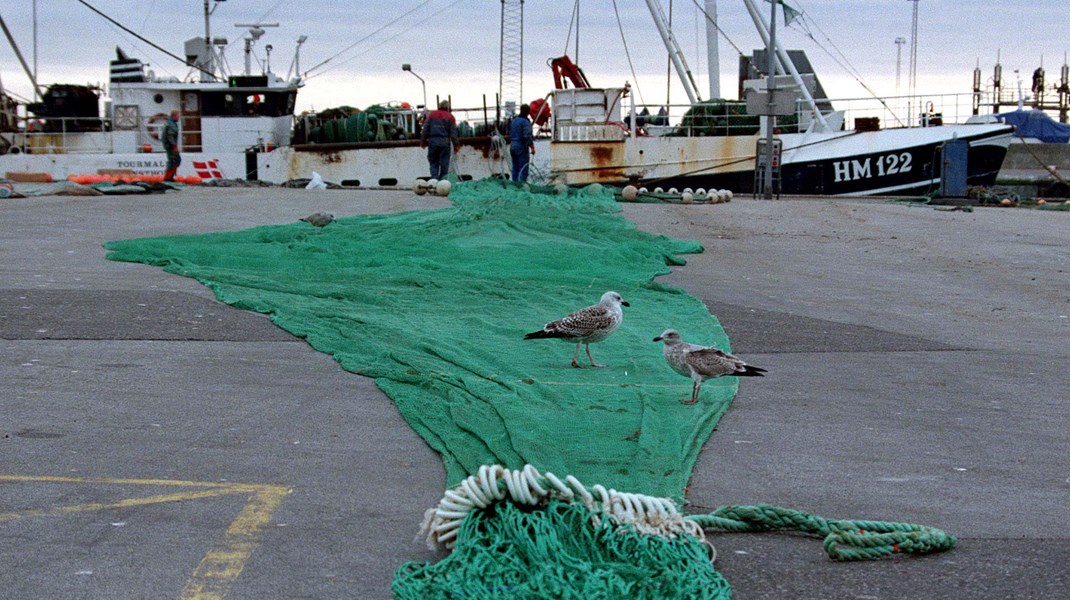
pixel 454 44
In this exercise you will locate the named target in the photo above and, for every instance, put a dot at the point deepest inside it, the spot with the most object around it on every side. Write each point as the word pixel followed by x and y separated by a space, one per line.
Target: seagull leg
pixel 694 392
pixel 575 355
pixel 588 348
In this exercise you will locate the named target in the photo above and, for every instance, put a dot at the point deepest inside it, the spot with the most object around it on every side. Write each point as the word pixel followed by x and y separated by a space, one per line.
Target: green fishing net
pixel 510 551
pixel 434 305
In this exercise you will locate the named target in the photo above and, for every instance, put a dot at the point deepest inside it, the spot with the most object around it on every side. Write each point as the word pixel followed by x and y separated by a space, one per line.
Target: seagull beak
pixel 623 303
pixel 657 339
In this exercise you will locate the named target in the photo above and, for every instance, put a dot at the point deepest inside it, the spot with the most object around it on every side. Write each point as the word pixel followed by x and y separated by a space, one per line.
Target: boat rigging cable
pixel 717 27
pixel 628 54
pixel 367 37
pixel 845 64
pixel 144 39
pixel 573 21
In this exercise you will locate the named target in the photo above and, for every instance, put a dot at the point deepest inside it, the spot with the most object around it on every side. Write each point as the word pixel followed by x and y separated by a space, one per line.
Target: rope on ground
pixel 844 539
pixel 527 486
pixel 524 534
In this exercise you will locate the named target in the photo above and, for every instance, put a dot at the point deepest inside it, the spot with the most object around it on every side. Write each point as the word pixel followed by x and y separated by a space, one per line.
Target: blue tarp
pixel 1037 124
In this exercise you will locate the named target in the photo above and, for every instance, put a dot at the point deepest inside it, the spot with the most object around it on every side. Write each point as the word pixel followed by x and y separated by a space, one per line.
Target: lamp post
pixel 899 41
pixel 408 67
pixel 297 56
pixel 770 88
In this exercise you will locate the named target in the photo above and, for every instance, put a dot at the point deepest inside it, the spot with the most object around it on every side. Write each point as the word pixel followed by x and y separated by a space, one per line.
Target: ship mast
pixel 713 57
pixel 208 72
pixel 675 54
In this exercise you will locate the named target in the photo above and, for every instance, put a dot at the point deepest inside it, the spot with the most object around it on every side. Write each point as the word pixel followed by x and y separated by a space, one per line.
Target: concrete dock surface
pixel 157 443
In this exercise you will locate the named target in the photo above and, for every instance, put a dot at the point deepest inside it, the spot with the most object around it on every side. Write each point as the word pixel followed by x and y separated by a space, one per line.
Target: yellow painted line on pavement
pixel 234 487
pixel 124 503
pixel 217 571
pixel 222 565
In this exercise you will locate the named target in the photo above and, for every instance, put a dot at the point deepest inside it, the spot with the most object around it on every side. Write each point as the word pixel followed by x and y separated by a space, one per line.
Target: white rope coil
pixel 493 483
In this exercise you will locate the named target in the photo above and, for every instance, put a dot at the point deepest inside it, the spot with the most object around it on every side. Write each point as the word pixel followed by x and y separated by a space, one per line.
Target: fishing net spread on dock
pixel 434 305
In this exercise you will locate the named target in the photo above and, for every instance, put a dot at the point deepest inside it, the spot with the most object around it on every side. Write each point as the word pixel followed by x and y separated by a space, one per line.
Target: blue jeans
pixel 521 160
pixel 439 159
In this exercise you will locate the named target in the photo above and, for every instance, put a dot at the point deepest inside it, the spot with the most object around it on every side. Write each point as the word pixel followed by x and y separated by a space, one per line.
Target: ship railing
pixel 94 135
pixel 59 135
pixel 729 117
pixel 910 111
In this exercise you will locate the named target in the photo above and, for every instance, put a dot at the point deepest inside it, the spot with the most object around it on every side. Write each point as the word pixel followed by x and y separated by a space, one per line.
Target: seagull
pixel 585 326
pixel 702 362
pixel 319 219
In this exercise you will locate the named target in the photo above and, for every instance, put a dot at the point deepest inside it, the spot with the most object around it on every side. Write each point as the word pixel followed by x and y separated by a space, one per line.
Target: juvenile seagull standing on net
pixel 585 326
pixel 320 219
pixel 701 362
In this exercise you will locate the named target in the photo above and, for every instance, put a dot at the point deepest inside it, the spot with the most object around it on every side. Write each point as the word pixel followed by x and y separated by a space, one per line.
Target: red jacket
pixel 440 129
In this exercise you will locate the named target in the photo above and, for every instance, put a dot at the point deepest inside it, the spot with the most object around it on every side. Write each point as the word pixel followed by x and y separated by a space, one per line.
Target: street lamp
pixel 899 41
pixel 408 67
pixel 297 56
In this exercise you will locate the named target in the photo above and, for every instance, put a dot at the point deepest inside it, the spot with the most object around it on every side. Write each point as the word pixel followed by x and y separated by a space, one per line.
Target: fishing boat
pixel 742 146
pixel 224 121
pixel 780 137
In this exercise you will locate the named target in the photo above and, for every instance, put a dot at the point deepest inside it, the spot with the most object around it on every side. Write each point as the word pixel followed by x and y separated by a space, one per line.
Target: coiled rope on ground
pixel 843 539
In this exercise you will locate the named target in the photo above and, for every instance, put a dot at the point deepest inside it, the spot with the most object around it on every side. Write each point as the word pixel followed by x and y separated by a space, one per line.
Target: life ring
pixel 154 132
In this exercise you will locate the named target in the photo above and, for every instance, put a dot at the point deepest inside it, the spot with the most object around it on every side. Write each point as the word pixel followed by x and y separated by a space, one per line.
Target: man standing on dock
pixel 170 146
pixel 439 131
pixel 520 141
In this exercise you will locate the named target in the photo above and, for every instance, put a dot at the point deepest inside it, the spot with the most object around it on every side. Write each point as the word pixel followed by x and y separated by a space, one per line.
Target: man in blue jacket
pixel 439 130
pixel 520 141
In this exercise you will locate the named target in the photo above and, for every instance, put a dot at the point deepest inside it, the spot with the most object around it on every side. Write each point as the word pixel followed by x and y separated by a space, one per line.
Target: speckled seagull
pixel 585 326
pixel 701 362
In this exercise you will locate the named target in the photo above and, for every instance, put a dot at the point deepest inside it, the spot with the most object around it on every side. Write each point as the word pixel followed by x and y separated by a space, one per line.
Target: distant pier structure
pixel 1044 96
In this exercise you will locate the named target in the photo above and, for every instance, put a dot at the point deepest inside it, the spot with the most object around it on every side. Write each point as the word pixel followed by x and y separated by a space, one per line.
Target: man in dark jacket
pixel 170 145
pixel 520 142
pixel 439 131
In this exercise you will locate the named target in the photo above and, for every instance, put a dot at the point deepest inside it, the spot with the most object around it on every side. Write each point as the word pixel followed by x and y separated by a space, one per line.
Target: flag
pixel 790 14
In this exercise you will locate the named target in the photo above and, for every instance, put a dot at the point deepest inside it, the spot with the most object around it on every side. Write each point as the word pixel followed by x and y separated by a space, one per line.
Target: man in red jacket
pixel 439 131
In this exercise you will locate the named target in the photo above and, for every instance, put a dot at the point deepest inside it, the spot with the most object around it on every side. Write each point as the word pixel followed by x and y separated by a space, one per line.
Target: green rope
pixel 844 539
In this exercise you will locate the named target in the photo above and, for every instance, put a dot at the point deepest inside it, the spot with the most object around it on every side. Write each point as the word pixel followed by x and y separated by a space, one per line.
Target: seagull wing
pixel 711 362
pixel 584 322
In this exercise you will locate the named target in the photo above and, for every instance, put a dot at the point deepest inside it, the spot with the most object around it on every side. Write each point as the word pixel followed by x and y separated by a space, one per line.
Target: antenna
pixel 913 60
pixel 256 31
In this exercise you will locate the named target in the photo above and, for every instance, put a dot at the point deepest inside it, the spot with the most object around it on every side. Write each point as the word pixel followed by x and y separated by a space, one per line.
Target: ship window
pixel 235 103
pixel 158 98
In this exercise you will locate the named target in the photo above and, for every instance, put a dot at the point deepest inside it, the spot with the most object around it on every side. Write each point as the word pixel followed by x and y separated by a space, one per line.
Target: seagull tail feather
pixel 749 371
pixel 541 334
